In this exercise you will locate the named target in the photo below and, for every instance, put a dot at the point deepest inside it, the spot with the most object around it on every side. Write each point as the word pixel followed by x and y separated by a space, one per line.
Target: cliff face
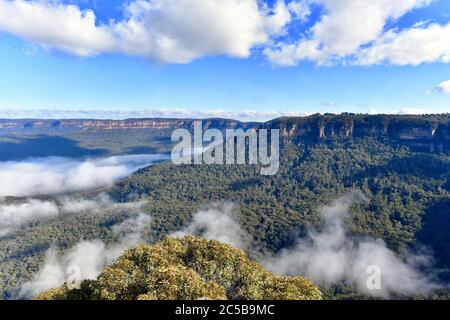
pixel 118 124
pixel 423 133
pixel 429 133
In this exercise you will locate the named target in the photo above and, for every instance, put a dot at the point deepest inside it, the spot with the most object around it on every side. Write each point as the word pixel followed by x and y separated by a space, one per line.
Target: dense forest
pixel 407 187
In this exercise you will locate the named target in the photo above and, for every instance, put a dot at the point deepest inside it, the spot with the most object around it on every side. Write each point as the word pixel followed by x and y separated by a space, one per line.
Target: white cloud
pixel 402 111
pixel 331 104
pixel 412 111
pixel 218 223
pixel 86 260
pixel 414 46
pixel 169 31
pixel 280 17
pixel 342 30
pixel 444 87
pixel 57 175
pixel 245 115
pixel 300 9
pixel 329 256
pixel 56 25
pixel 179 31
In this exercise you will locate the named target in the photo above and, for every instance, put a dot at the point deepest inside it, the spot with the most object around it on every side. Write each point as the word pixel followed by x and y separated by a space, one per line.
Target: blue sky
pixel 43 69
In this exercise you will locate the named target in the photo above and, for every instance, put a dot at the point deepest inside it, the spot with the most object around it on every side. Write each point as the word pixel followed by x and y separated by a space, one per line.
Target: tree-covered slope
pixel 408 192
pixel 399 184
pixel 187 269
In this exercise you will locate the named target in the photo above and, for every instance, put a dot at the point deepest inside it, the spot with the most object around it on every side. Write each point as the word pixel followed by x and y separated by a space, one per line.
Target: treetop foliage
pixel 189 268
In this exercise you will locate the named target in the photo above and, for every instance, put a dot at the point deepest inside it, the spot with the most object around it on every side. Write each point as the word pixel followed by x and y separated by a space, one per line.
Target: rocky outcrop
pixel 424 133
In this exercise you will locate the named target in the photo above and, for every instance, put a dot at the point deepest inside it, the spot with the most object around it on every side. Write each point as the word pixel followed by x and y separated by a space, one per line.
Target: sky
pixel 248 59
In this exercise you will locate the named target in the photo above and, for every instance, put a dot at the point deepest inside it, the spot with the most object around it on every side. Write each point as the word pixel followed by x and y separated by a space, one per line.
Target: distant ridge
pixel 429 133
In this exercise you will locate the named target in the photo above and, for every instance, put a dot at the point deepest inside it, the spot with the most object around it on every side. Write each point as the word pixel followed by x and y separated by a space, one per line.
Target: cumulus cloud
pixel 217 223
pixel 414 46
pixel 300 9
pixel 347 26
pixel 169 31
pixel 86 260
pixel 329 255
pixel 179 31
pixel 444 87
pixel 56 25
pixel 57 174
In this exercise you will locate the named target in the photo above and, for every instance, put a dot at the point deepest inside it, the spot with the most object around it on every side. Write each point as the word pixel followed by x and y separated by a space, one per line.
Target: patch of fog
pixel 14 215
pixel 330 255
pixel 55 175
pixel 327 256
pixel 85 260
pixel 217 223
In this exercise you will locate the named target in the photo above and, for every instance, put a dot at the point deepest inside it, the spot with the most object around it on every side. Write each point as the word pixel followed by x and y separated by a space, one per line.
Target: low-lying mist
pixel 85 260
pixel 15 215
pixel 56 176
pixel 217 223
pixel 329 255
pixel 43 176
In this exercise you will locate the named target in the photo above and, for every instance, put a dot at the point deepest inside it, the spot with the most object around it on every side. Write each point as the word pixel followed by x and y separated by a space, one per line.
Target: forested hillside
pixel 400 184
pixel 407 187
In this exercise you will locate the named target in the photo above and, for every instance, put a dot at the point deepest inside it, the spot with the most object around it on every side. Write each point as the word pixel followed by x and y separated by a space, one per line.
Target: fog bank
pixel 330 255
pixel 217 223
pixel 42 176
pixel 85 260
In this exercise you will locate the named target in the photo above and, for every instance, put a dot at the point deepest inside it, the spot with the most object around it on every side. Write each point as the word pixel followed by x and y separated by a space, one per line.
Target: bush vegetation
pixel 187 269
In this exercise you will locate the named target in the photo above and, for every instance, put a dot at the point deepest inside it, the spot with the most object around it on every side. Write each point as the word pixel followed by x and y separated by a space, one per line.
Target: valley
pixel 400 164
